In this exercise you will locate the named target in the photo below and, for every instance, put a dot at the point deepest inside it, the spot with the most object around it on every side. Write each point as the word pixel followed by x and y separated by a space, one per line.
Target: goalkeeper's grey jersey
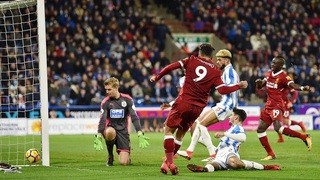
pixel 116 112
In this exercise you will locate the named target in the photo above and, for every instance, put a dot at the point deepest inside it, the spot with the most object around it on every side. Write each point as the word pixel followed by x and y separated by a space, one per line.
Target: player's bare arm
pixel 299 87
pixel 260 83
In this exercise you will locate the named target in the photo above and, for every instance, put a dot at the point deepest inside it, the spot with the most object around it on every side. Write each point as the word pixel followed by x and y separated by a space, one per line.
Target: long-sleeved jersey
pixel 201 75
pixel 233 138
pixel 116 112
pixel 230 77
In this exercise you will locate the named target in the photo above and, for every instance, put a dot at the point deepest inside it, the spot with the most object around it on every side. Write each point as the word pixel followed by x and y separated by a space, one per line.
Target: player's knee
pixel 124 162
pixel 109 133
pixel 277 127
pixel 260 130
pixel 286 122
pixel 234 164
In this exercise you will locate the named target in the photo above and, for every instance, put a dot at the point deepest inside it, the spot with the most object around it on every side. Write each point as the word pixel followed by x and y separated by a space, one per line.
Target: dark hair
pixel 241 113
pixel 281 58
pixel 206 49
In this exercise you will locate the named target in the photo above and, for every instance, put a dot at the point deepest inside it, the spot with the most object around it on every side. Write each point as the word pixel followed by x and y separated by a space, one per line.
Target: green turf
pixel 73 157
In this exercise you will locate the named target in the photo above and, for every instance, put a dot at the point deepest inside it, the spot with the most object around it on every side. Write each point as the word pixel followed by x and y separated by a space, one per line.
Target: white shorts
pixel 223 155
pixel 221 112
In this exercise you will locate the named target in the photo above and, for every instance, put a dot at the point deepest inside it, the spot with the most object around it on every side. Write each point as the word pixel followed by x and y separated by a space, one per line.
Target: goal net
pixel 23 76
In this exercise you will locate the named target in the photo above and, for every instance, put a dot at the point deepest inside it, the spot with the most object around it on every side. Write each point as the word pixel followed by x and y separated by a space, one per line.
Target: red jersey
pixel 201 75
pixel 276 85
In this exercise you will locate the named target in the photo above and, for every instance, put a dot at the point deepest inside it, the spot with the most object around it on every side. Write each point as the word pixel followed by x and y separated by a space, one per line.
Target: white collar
pixel 277 73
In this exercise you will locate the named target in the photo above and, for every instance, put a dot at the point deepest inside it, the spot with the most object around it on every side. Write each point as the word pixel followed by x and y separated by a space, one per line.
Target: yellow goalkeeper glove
pixel 98 142
pixel 143 140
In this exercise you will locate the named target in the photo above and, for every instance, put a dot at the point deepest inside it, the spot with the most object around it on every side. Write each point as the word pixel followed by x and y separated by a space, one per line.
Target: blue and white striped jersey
pixel 229 142
pixel 229 77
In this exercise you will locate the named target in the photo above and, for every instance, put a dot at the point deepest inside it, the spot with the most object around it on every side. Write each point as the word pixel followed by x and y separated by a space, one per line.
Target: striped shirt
pixel 229 77
pixel 229 142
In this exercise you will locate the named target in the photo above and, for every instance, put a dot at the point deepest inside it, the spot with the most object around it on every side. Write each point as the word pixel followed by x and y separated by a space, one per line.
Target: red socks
pixel 169 147
pixel 292 133
pixel 265 143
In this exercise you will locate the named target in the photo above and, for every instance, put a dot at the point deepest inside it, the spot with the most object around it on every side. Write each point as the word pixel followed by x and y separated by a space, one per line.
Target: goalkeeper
pixel 113 125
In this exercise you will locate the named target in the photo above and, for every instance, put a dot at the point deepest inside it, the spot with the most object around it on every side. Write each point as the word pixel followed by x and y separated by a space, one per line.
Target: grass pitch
pixel 73 157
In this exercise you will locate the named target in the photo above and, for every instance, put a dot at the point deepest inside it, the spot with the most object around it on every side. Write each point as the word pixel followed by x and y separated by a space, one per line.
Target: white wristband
pixel 301 88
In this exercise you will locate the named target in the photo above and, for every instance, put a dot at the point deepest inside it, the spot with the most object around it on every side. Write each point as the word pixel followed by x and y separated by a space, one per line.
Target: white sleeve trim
pixel 290 82
pixel 220 86
pixel 171 103
pixel 181 64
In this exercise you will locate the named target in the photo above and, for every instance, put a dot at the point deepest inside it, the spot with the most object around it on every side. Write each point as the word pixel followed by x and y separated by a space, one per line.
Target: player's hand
pixel 98 142
pixel 143 140
pixel 243 84
pixel 153 78
pixel 218 134
pixel 312 89
pixel 165 106
pixel 306 88
pixel 259 83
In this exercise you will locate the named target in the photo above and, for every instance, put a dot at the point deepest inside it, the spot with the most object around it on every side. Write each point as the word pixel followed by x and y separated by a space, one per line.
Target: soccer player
pixel 113 125
pixel 201 75
pixel 169 105
pixel 227 156
pixel 287 106
pixel 220 112
pixel 275 81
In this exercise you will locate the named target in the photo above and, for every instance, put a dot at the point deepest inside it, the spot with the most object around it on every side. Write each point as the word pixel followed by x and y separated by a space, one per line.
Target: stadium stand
pixel 89 41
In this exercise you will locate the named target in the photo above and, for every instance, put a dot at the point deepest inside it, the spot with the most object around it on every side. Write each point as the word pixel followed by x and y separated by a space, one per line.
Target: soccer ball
pixel 33 155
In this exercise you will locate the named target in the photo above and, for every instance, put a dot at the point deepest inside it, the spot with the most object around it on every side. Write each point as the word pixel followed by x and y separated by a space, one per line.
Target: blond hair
pixel 224 53
pixel 112 81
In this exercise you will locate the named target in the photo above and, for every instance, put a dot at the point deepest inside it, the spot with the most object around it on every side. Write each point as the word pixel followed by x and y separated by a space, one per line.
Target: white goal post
pixel 23 75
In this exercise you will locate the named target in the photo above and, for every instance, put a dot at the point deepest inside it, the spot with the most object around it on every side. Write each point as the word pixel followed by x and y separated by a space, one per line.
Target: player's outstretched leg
pixel 196 168
pixel 306 138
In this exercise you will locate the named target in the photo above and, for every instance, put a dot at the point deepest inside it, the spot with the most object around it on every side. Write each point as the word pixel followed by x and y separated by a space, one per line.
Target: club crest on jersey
pixel 123 104
pixel 116 113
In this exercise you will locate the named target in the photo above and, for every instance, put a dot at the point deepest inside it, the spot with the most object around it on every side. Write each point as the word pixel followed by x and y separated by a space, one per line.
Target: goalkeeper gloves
pixel 143 140
pixel 98 142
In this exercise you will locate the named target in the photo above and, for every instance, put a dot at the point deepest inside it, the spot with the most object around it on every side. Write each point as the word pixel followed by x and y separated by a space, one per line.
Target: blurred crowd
pixel 89 41
pixel 260 30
